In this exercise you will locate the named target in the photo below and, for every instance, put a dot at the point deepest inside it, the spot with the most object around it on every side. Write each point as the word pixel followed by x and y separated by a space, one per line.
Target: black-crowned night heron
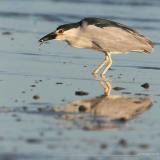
pixel 102 35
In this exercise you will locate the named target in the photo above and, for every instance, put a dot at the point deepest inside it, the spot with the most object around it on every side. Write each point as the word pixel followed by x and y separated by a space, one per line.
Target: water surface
pixel 27 70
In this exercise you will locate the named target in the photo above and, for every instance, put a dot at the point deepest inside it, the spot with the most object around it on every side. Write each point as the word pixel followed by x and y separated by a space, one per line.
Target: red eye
pixel 60 31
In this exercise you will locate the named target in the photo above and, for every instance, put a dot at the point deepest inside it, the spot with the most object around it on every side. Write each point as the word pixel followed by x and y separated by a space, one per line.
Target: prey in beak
pixel 48 37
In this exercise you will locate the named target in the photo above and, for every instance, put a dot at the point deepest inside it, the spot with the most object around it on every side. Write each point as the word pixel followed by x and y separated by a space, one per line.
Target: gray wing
pixel 111 36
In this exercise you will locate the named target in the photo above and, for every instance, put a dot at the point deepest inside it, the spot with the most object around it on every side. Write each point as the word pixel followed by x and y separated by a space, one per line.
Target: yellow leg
pixel 99 67
pixel 109 63
pixel 105 83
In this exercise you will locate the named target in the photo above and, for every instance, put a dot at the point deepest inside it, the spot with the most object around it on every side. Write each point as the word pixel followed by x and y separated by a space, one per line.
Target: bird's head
pixel 63 32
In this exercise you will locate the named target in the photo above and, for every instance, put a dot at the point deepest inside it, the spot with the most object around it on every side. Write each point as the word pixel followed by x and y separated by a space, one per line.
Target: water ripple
pixel 70 17
pixel 118 3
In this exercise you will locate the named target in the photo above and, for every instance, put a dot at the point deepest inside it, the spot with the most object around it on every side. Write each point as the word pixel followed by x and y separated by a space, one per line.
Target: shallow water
pixel 38 135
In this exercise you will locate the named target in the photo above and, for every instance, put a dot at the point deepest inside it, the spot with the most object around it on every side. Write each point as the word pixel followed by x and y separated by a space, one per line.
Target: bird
pixel 103 35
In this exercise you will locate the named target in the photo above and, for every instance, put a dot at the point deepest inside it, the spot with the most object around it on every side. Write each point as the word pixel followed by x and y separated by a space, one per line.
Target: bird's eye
pixel 60 31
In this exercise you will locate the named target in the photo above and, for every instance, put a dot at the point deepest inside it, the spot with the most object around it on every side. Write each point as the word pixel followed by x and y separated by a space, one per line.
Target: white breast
pixel 76 38
pixel 82 43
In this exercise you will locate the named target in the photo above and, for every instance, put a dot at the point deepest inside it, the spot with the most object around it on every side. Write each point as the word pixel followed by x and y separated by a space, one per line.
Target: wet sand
pixel 35 81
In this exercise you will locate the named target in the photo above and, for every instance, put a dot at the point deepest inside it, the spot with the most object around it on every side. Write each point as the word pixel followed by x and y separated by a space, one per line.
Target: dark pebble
pixel 82 108
pixel 40 109
pixel 133 79
pixel 33 85
pixel 123 143
pixel 103 146
pixel 118 88
pixel 33 140
pixel 37 81
pixel 59 83
pixel 81 93
pixel 144 146
pixel 36 97
pixel 18 119
pixel 132 153
pixel 145 85
pixel 25 108
pixel 141 94
pixel 6 33
pixel 126 93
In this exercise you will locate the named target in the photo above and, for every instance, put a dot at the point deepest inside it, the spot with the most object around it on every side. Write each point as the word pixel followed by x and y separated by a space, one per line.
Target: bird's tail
pixel 149 46
pixel 146 44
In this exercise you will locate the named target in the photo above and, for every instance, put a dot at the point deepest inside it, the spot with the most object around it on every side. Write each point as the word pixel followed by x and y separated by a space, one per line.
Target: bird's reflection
pixel 104 112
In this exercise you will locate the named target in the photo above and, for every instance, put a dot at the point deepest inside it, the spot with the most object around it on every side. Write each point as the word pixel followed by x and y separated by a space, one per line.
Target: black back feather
pixel 99 22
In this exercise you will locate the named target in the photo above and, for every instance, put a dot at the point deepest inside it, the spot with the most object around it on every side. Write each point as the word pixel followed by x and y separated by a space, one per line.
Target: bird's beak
pixel 48 37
